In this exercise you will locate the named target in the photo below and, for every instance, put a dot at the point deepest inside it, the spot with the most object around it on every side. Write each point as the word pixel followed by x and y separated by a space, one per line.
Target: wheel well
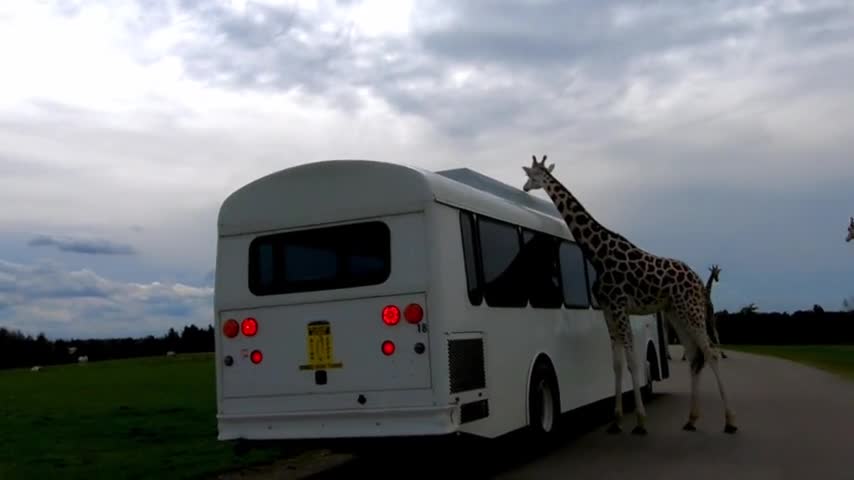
pixel 652 358
pixel 541 361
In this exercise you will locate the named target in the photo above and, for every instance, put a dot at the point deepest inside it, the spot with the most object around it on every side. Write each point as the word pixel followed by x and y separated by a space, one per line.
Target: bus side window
pixel 542 269
pixel 470 256
pixel 502 264
pixel 575 286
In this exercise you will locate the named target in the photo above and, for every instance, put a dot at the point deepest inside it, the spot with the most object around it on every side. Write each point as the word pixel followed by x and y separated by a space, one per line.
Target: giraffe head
pixel 850 231
pixel 537 174
pixel 716 271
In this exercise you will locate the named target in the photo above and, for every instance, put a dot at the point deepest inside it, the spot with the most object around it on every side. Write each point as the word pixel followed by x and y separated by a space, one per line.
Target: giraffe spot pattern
pixel 634 255
pixel 628 275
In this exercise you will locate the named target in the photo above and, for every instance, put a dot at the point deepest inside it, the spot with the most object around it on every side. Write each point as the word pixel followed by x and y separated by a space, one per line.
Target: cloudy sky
pixel 715 132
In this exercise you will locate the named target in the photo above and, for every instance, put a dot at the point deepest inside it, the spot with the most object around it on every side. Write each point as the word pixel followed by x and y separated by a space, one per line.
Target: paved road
pixel 795 422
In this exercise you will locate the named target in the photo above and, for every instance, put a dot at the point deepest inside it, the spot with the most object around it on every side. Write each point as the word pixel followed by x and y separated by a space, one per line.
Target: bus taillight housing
pixel 231 328
pixel 391 315
pixel 256 356
pixel 249 327
pixel 413 313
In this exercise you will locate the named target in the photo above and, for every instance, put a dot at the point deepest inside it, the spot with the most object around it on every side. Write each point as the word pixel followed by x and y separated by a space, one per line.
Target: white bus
pixel 362 299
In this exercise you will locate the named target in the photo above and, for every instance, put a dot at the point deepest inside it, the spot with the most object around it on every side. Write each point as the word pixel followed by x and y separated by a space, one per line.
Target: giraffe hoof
pixel 614 429
pixel 689 427
pixel 639 430
pixel 730 428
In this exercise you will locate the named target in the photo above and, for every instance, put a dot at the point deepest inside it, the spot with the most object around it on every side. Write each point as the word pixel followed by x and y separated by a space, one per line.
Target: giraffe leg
pixel 703 353
pixel 632 361
pixel 729 415
pixel 617 364
pixel 697 362
pixel 690 351
pixel 617 360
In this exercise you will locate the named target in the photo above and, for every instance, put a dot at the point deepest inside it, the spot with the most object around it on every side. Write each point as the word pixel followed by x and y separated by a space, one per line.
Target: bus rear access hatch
pixel 356 345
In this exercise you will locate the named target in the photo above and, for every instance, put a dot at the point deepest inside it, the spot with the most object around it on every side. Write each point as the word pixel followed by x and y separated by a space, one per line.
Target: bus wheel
pixel 543 401
pixel 646 390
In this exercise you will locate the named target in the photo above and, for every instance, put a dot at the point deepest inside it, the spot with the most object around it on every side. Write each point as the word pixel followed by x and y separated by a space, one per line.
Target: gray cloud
pixel 47 298
pixel 542 36
pixel 715 131
pixel 537 65
pixel 544 66
pixel 270 48
pixel 90 246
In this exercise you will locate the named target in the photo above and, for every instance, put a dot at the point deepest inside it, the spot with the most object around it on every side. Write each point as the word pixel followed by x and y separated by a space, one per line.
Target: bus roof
pixel 344 190
pixel 500 189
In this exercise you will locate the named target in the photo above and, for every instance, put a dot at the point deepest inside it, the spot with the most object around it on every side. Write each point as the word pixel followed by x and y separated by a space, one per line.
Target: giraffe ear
pixel 551 167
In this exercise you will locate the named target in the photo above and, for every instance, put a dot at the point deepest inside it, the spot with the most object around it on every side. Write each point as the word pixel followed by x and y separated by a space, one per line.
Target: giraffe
pixel 632 281
pixel 711 319
pixel 850 235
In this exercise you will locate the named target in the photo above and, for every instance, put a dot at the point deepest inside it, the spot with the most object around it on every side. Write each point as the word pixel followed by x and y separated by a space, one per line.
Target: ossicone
pixel 542 162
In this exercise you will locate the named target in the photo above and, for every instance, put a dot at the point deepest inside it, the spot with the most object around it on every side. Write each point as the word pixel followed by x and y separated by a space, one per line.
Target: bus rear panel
pixel 327 340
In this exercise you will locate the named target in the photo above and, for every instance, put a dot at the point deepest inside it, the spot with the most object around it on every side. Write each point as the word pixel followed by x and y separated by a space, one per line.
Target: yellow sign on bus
pixel 319 347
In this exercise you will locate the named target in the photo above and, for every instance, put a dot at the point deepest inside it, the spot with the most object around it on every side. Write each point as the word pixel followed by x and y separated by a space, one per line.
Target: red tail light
pixel 388 347
pixel 413 313
pixel 391 315
pixel 256 356
pixel 231 328
pixel 249 327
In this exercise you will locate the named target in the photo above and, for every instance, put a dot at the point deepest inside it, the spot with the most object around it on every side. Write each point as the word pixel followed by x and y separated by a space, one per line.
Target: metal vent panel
pixel 470 412
pixel 466 364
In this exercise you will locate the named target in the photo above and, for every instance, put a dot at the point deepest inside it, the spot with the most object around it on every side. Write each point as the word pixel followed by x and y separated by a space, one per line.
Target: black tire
pixel 652 370
pixel 646 390
pixel 543 402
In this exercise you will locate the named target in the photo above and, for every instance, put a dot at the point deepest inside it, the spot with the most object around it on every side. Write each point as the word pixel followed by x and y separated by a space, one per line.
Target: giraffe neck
pixel 709 283
pixel 594 239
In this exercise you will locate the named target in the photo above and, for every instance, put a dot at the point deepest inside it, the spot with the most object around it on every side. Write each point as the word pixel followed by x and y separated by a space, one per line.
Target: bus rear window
pixel 326 258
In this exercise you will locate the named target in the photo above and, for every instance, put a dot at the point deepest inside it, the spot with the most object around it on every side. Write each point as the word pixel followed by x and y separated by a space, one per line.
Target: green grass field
pixel 139 418
pixel 155 417
pixel 837 359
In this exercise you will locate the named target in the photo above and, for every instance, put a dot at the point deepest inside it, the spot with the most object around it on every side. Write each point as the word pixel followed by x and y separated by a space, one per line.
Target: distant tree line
pixel 748 326
pixel 18 350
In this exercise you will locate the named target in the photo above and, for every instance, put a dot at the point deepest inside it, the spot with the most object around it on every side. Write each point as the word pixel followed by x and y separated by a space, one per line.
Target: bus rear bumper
pixel 410 421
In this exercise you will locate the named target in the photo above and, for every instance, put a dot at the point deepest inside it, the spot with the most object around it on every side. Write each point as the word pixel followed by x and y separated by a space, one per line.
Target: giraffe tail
pixel 698 361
